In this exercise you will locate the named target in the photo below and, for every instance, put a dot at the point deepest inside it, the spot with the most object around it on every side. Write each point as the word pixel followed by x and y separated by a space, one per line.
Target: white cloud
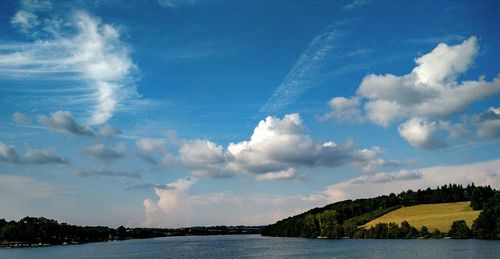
pixel 488 123
pixel 107 131
pixel 94 55
pixel 151 145
pixel 177 206
pixel 149 149
pixel 344 109
pixel 20 118
pixel 25 21
pixel 8 154
pixel 44 156
pixel 355 4
pixel 109 173
pixel 64 122
pixel 36 5
pixel 420 133
pixel 298 79
pixel 482 173
pixel 203 158
pixel 276 145
pixel 403 175
pixel 288 174
pixel 368 160
pixel 430 92
pixel 99 151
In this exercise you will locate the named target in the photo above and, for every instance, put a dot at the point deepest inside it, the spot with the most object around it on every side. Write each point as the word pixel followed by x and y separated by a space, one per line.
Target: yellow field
pixel 433 216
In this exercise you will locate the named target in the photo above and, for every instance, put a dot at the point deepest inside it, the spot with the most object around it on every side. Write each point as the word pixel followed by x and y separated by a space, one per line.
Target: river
pixel 255 246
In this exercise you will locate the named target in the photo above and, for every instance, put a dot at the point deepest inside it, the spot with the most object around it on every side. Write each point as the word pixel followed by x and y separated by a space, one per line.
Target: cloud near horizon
pixel 481 173
pixel 177 206
pixel 431 93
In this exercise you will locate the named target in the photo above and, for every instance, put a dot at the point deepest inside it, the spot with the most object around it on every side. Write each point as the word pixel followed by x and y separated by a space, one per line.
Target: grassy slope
pixel 433 216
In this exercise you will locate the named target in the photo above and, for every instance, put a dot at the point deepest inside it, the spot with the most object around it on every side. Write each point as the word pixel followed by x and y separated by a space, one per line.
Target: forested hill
pixel 343 219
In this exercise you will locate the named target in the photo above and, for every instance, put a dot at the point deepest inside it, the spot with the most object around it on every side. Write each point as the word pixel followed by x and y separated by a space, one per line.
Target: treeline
pixel 458 230
pixel 343 219
pixel 31 231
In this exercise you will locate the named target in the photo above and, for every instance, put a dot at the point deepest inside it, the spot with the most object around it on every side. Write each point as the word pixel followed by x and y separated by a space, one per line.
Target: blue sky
pixel 176 113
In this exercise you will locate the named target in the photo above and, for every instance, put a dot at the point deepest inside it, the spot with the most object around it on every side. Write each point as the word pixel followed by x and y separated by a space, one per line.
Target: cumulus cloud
pixel 288 174
pixel 420 133
pixel 107 131
pixel 109 173
pixel 203 158
pixel 482 173
pixel 101 152
pixel 64 122
pixel 8 154
pixel 44 156
pixel 93 55
pixel 488 123
pixel 149 149
pixel 344 109
pixel 368 159
pixel 176 206
pixel 403 175
pixel 21 118
pixel 275 147
pixel 430 92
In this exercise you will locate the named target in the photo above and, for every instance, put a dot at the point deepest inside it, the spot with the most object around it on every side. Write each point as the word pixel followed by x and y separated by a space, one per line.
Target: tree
pixel 329 227
pixel 408 231
pixel 487 224
pixel 459 230
pixel 122 232
pixel 424 232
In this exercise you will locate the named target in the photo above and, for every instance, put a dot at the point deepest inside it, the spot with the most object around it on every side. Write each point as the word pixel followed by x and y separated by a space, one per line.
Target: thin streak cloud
pixel 298 80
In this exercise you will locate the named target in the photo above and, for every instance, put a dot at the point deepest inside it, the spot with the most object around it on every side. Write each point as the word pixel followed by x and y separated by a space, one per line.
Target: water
pixel 255 246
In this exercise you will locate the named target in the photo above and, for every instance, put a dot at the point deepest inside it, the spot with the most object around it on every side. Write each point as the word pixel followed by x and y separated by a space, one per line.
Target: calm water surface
pixel 255 246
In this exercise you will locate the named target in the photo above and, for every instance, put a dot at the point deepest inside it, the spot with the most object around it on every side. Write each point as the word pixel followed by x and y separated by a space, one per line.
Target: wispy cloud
pixel 93 56
pixel 108 173
pixel 355 4
pixel 298 80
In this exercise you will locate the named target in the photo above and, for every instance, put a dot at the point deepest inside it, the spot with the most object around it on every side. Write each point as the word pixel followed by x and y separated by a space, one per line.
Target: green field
pixel 433 216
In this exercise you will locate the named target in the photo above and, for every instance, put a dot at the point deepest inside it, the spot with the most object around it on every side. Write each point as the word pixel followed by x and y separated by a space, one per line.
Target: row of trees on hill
pixel 343 219
pixel 459 230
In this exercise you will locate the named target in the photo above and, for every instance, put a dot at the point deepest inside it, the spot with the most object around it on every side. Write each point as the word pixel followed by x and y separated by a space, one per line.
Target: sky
pixel 169 113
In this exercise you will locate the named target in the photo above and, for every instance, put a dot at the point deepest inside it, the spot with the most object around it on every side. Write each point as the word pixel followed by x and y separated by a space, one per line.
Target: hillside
pixel 434 216
pixel 446 205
